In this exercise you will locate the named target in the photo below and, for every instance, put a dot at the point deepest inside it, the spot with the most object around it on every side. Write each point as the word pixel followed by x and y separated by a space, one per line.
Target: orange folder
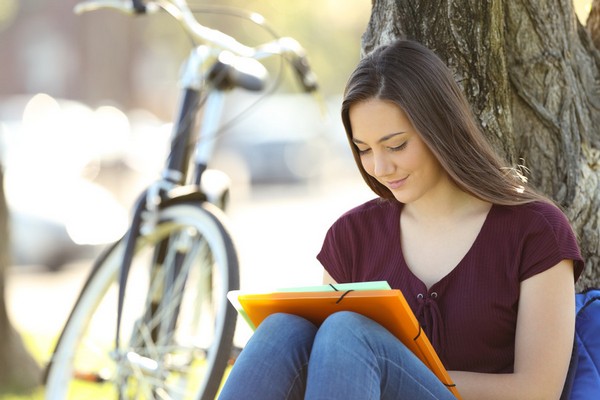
pixel 386 307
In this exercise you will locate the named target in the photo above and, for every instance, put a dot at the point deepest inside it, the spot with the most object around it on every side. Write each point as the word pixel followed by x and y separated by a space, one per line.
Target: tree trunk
pixel 18 370
pixel 531 73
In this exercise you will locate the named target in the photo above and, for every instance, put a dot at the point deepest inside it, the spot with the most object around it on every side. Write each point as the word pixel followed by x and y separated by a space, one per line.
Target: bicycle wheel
pixel 175 340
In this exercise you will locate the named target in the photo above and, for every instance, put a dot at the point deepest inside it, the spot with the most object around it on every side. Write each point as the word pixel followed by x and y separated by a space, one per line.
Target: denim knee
pixel 338 323
pixel 281 334
pixel 348 333
pixel 286 325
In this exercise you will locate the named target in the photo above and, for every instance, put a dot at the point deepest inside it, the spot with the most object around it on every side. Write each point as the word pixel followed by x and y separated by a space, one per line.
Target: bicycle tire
pixel 188 365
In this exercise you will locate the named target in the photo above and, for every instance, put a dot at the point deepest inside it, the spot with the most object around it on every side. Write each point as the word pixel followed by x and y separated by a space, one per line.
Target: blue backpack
pixel 586 379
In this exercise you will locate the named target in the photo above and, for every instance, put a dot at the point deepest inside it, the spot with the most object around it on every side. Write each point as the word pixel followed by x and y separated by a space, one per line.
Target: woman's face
pixel 392 151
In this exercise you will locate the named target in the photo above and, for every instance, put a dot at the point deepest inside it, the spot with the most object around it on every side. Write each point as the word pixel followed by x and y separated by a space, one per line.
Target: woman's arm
pixel 327 279
pixel 544 342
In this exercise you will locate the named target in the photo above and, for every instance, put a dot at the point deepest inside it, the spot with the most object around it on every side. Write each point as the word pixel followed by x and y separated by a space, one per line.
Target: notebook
pixel 375 300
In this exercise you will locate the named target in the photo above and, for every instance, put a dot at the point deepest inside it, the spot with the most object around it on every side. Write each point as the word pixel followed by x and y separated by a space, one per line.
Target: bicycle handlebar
pixel 287 47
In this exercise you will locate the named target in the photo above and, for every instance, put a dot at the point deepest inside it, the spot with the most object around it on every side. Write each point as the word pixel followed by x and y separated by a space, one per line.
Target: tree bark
pixel 593 23
pixel 531 73
pixel 19 372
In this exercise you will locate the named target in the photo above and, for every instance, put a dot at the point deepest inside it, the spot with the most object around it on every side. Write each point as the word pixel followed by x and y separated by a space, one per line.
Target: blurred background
pixel 85 109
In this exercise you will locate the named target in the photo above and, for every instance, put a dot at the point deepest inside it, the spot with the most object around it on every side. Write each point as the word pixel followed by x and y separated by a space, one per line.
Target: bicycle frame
pixel 196 80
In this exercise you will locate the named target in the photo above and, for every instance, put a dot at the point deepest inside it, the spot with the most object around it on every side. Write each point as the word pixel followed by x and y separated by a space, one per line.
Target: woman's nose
pixel 382 165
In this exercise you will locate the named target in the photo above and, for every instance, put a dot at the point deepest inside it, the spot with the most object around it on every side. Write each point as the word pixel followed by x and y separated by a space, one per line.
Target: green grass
pixel 41 348
pixel 37 395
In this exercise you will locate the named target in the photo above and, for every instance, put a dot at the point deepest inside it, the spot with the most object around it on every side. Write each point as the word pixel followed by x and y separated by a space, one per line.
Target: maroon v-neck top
pixel 470 315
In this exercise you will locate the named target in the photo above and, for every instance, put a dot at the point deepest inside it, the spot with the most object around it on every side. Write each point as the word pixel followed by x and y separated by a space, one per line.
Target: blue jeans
pixel 348 357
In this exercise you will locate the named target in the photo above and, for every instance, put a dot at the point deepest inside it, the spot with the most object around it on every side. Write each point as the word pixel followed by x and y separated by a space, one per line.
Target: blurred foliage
pixel 8 12
pixel 329 30
pixel 134 61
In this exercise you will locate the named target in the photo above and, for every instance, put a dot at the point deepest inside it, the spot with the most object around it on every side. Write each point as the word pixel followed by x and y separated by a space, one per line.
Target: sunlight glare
pixel 257 18
pixel 98 218
pixel 40 110
pixel 582 9
pixel 111 130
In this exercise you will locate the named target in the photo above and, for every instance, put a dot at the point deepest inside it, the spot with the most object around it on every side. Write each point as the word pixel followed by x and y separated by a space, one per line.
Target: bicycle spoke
pixel 174 345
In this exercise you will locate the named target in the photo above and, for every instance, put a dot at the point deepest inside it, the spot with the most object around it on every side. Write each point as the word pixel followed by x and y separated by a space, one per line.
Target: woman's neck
pixel 446 204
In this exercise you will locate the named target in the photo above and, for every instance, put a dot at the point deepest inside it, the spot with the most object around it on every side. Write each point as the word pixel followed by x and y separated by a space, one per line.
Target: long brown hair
pixel 416 80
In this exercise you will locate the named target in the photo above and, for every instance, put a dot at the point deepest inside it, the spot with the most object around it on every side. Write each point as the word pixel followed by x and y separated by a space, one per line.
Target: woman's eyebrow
pixel 382 139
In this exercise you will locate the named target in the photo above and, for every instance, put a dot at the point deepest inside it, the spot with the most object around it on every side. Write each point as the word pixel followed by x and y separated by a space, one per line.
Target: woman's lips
pixel 397 183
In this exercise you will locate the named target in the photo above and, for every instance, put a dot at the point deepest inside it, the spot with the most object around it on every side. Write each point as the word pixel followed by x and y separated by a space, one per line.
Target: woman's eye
pixel 362 151
pixel 398 148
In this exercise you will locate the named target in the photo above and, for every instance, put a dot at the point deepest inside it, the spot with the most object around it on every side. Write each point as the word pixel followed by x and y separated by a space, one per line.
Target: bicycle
pixel 173 328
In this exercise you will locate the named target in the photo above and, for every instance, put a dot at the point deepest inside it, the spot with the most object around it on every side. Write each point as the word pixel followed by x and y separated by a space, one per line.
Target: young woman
pixel 487 265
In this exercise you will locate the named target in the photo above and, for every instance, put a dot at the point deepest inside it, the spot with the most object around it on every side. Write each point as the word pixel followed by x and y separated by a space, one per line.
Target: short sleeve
pixel 364 243
pixel 548 240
